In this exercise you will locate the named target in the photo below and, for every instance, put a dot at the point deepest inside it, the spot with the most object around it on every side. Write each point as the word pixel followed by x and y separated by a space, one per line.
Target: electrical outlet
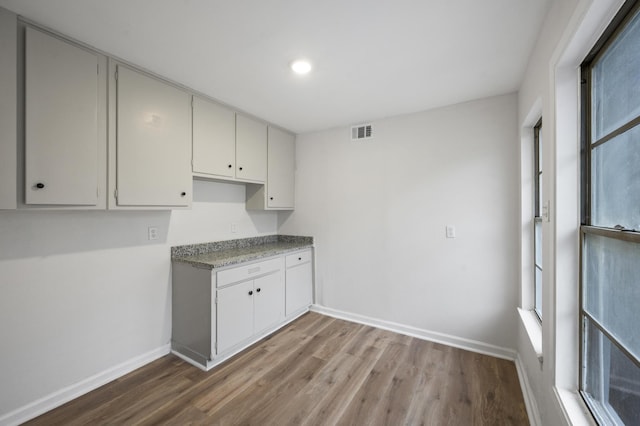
pixel 234 227
pixel 451 231
pixel 153 233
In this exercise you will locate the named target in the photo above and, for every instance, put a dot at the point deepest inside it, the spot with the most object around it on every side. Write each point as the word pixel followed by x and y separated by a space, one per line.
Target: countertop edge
pixel 239 259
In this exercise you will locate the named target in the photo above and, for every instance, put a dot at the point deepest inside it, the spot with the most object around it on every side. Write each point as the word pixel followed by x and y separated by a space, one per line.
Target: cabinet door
pixel 214 139
pixel 299 281
pixel 61 122
pixel 153 142
pixel 251 149
pixel 269 301
pixel 280 169
pixel 235 314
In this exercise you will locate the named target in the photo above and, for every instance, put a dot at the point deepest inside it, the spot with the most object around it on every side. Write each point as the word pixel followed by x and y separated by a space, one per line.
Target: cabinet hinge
pixel 115 193
pixel 116 75
pixel 216 346
pixel 192 102
pixel 98 69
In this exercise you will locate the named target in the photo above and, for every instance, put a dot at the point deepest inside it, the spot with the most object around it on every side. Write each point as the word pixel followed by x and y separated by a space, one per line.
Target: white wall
pixel 378 211
pixel 82 292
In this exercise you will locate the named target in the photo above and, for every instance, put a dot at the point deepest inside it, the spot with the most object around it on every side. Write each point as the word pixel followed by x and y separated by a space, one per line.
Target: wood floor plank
pixel 273 390
pixel 326 397
pixel 300 406
pixel 113 395
pixel 292 349
pixel 315 371
pixel 203 382
pixel 335 401
pixel 282 378
pixel 366 405
pixel 426 402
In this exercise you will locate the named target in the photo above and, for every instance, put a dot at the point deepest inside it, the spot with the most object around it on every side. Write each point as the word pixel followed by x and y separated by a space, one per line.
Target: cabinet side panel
pixel 191 304
pixel 8 114
pixel 255 196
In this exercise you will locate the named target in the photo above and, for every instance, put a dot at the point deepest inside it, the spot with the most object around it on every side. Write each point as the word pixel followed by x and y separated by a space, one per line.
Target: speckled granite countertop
pixel 224 253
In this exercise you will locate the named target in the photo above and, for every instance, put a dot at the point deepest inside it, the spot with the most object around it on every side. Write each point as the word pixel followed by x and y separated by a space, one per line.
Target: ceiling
pixel 372 58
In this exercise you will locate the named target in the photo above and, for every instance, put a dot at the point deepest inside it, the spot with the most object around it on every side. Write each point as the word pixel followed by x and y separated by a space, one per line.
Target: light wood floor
pixel 316 371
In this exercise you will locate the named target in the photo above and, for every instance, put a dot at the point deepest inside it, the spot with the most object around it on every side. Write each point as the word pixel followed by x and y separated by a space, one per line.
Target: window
pixel 537 219
pixel 610 231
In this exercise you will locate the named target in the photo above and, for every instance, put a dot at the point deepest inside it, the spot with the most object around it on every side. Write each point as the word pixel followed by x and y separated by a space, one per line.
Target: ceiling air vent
pixel 363 131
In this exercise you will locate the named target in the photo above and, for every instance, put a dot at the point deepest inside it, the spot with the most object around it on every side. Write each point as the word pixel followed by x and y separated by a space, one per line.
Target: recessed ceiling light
pixel 301 66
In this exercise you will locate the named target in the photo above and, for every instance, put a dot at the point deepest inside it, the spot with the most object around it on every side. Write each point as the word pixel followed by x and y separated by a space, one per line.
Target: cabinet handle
pixel 250 292
pixel 258 290
pixel 182 194
pixel 299 258
pixel 39 185
pixel 240 168
pixel 230 165
pixel 271 198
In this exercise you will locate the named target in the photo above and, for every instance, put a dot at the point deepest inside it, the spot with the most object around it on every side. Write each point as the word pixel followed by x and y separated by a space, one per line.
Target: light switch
pixel 451 231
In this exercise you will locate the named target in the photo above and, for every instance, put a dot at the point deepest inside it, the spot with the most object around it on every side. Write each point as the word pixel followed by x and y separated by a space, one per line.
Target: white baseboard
pixel 433 336
pixel 68 393
pixel 527 393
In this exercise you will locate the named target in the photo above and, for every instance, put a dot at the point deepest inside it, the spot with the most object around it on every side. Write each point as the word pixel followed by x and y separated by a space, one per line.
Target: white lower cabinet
pixel 235 315
pixel 217 313
pixel 299 282
pixel 268 308
pixel 247 308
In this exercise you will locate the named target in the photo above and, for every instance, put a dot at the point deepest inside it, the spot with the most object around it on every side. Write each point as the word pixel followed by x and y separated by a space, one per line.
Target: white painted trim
pixel 69 393
pixel 188 360
pixel 532 326
pixel 433 336
pixel 573 408
pixel 527 393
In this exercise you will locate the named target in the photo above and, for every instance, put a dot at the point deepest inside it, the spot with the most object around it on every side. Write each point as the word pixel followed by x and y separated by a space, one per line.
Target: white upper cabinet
pixel 8 110
pixel 61 122
pixel 153 142
pixel 278 193
pixel 281 159
pixel 227 145
pixel 214 139
pixel 251 149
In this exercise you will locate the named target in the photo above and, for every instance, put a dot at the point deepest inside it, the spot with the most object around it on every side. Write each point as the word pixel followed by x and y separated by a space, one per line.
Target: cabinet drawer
pixel 298 258
pixel 245 272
